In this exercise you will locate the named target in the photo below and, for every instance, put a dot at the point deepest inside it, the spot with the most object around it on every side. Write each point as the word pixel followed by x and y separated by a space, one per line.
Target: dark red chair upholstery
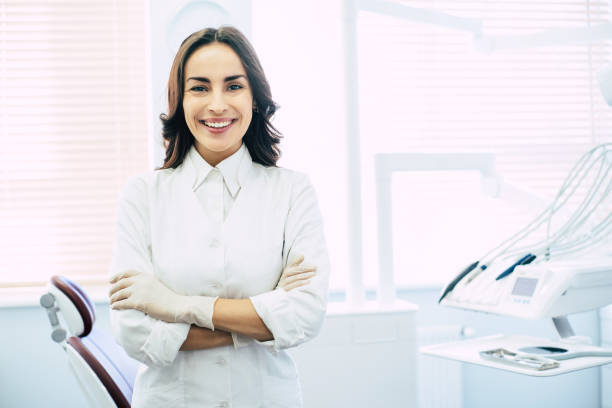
pixel 93 354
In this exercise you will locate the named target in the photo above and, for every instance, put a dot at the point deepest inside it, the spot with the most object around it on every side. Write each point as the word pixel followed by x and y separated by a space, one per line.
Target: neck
pixel 213 158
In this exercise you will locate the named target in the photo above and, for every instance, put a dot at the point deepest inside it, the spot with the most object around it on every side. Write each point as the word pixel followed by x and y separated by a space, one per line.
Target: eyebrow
pixel 227 79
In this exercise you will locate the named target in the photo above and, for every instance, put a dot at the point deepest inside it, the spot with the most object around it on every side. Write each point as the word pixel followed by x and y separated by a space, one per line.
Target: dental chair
pixel 103 369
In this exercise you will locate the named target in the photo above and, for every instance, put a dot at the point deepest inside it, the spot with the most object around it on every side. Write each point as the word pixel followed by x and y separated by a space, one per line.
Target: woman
pixel 209 281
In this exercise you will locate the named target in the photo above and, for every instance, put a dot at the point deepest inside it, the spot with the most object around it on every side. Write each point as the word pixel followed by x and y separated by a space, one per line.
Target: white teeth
pixel 217 124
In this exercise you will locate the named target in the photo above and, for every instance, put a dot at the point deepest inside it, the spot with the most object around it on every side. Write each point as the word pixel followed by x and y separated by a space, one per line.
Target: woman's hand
pixel 144 292
pixel 296 275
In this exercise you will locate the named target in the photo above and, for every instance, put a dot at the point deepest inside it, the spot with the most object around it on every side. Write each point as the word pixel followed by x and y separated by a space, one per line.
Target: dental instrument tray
pixel 518 359
pixel 507 352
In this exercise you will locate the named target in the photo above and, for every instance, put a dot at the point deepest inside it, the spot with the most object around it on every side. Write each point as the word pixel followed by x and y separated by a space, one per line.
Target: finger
pixel 298 270
pixel 120 295
pixel 122 275
pixel 296 285
pixel 117 277
pixel 298 260
pixel 122 284
pixel 298 277
pixel 288 283
pixel 123 305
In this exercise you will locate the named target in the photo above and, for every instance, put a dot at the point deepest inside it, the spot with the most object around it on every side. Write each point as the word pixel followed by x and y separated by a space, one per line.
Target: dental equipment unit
pixel 568 269
pixel 558 264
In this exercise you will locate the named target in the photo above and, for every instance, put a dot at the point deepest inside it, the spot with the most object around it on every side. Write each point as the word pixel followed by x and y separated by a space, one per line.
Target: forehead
pixel 214 61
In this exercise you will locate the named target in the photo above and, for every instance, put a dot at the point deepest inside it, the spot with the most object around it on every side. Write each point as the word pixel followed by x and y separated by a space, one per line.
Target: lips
pixel 217 123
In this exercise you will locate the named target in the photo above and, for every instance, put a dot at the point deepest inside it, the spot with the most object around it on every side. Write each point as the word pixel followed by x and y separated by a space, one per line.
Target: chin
pixel 217 147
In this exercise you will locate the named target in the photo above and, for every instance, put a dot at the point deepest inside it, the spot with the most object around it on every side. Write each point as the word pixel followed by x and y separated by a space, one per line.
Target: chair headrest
pixel 82 306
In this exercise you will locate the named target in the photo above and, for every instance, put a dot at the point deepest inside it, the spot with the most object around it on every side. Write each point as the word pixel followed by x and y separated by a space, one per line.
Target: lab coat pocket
pixel 279 365
pixel 281 386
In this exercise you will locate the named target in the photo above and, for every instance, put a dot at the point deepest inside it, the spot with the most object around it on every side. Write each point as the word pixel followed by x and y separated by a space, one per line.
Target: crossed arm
pixel 143 324
pixel 212 319
pixel 230 315
pixel 200 338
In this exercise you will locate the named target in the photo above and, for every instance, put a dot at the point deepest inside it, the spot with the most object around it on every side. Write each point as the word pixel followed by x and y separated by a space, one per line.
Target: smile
pixel 217 125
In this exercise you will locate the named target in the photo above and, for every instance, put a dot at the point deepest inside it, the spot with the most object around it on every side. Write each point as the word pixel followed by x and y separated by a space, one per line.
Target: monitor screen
pixel 524 286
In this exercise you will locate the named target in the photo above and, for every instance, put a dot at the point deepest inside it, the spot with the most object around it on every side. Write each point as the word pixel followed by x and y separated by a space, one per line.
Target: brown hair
pixel 261 138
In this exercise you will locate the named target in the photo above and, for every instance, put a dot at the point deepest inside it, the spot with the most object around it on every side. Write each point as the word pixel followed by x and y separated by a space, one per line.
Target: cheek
pixel 248 117
pixel 246 106
pixel 188 113
pixel 186 109
pixel 247 112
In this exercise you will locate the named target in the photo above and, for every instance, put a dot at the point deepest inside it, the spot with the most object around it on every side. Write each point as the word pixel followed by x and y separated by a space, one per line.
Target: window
pixel 73 126
pixel 424 88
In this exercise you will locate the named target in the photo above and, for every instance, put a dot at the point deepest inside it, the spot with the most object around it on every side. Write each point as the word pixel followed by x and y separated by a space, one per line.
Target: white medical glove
pixel 144 292
pixel 295 275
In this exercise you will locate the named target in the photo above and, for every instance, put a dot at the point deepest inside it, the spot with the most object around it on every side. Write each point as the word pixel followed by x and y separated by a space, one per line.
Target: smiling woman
pixel 220 263
pixel 221 82
pixel 218 108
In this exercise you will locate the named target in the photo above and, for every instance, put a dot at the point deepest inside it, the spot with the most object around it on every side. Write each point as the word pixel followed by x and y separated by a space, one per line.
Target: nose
pixel 217 103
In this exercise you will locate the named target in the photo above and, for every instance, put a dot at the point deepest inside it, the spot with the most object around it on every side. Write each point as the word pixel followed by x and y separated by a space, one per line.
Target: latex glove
pixel 295 275
pixel 144 292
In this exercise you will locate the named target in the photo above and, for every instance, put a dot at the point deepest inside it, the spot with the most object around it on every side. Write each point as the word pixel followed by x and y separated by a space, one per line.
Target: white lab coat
pixel 164 228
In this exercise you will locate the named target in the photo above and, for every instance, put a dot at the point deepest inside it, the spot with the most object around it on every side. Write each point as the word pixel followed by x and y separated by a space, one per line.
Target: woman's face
pixel 218 102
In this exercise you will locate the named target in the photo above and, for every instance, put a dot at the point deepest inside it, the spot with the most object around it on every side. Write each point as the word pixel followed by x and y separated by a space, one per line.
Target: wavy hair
pixel 261 138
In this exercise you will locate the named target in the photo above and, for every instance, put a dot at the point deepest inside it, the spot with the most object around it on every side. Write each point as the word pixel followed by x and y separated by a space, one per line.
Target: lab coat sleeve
pixel 296 316
pixel 148 340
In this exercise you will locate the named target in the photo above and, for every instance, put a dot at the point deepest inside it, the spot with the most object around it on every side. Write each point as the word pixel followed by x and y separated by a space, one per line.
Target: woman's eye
pixel 198 88
pixel 235 87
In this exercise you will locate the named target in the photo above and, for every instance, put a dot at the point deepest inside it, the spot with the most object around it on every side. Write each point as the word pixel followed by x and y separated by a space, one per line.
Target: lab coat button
pixel 223 404
pixel 215 243
pixel 221 361
pixel 216 285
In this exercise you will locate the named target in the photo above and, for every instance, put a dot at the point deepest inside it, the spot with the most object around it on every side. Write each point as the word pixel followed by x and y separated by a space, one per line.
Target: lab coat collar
pixel 234 169
pixel 230 168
